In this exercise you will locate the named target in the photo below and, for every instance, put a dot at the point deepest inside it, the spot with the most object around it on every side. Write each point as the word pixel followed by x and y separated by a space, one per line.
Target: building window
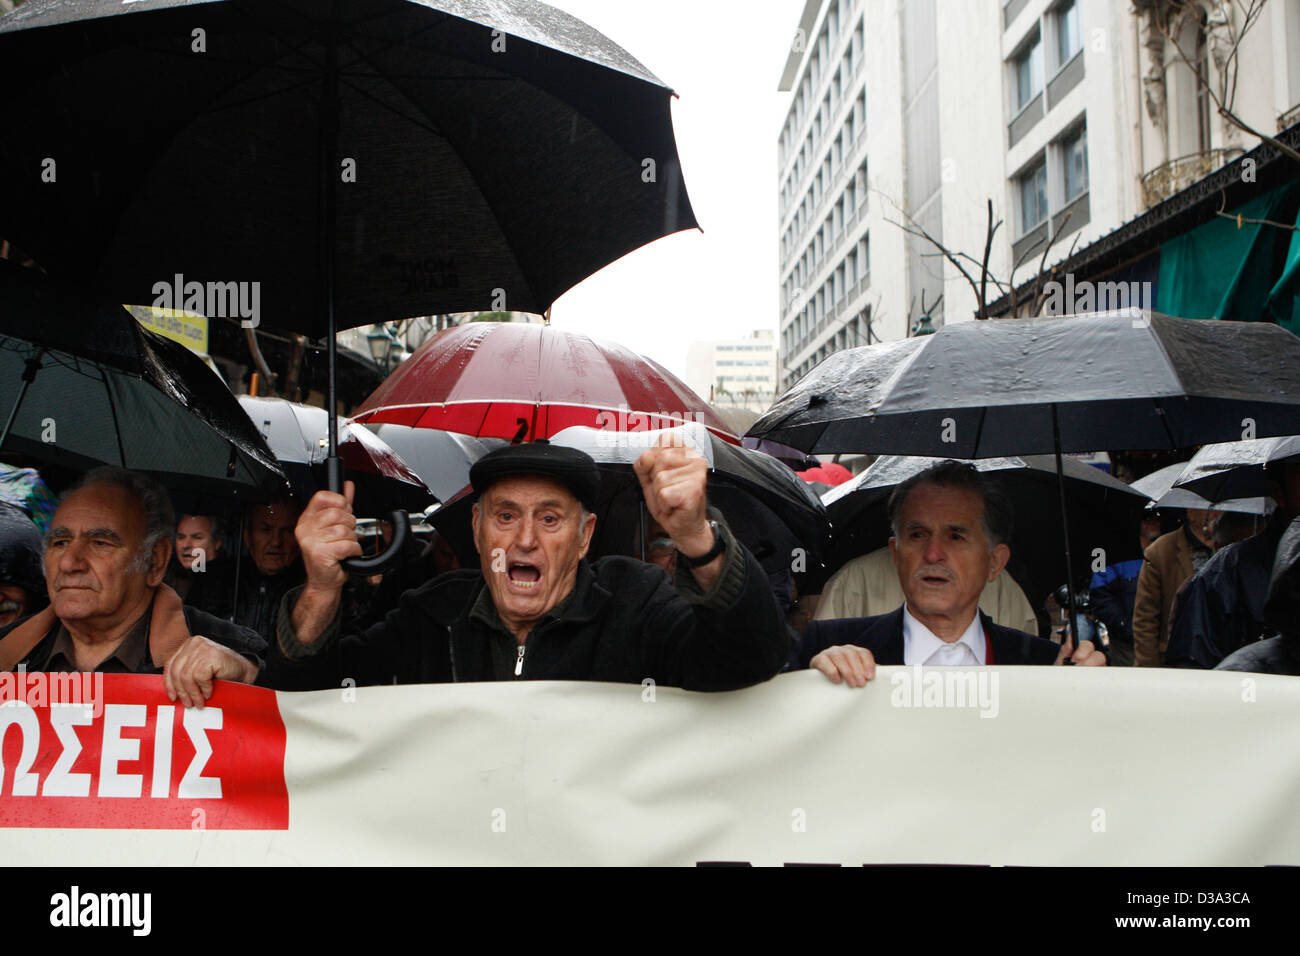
pixel 1202 87
pixel 1031 187
pixel 1067 32
pixel 1029 73
pixel 1074 163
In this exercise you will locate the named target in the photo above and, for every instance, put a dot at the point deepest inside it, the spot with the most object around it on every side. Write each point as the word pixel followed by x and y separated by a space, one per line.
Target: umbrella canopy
pixel 441 459
pixel 1106 511
pixel 83 384
pixel 784 453
pixel 296 436
pixel 1235 469
pixel 523 382
pixel 829 474
pixel 986 389
pixel 453 154
pixel 1159 487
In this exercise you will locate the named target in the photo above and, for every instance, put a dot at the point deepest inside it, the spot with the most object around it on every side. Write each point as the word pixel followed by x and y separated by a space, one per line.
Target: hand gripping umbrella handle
pixel 381 562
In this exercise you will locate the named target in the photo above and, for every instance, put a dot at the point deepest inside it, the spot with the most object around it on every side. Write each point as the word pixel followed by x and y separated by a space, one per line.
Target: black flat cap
pixel 574 469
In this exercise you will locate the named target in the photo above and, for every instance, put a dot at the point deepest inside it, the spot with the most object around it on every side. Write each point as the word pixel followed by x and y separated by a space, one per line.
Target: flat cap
pixel 574 469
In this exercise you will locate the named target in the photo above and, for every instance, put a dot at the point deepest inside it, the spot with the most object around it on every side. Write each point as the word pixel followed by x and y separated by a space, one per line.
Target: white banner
pixel 1000 766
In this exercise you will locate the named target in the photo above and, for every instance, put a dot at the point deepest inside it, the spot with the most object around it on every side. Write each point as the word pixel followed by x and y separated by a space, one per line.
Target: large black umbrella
pixel 333 164
pixel 83 384
pixel 1107 510
pixel 1032 386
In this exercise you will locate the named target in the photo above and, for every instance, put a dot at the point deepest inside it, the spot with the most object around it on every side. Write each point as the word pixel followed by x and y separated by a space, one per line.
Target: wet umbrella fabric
pixel 1159 486
pixel 986 389
pixel 296 436
pixel 441 459
pixel 482 150
pixel 522 381
pixel 83 384
pixel 1106 511
pixel 1235 469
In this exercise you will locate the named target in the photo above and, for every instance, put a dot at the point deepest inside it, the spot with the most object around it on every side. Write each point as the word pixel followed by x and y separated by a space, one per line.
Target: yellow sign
pixel 187 328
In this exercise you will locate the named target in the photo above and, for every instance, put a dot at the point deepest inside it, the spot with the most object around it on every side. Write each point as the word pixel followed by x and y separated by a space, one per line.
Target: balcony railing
pixel 1177 174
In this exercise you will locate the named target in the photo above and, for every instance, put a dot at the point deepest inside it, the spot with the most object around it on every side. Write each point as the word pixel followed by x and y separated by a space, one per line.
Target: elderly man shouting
pixel 950 525
pixel 106 550
pixel 537 608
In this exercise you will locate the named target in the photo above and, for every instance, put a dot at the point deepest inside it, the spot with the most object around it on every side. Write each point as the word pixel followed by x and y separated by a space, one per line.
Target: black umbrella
pixel 83 384
pixel 1031 386
pixel 296 436
pixel 1107 510
pixel 1230 470
pixel 329 165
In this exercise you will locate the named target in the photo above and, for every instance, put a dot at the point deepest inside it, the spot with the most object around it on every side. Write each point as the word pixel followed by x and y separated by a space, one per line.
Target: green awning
pixel 1227 268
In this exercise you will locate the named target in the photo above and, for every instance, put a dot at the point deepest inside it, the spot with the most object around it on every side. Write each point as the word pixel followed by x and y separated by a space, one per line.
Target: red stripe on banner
pixel 124 756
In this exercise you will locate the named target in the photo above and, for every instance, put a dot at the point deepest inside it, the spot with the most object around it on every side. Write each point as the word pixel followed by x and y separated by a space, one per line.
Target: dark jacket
pixel 1222 607
pixel 241 640
pixel 624 622
pixel 1280 654
pixel 212 590
pixel 1113 594
pixel 258 596
pixel 883 636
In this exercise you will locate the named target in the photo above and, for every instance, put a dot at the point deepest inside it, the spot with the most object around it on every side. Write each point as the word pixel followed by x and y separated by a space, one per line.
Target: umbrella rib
pixel 413 120
pixel 1164 422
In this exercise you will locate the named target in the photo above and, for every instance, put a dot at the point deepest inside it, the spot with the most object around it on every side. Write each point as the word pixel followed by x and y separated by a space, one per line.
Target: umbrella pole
pixel 327 144
pixel 29 376
pixel 1065 527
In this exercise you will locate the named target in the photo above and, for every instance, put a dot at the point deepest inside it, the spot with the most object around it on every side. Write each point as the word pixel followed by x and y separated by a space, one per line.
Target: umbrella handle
pixel 381 562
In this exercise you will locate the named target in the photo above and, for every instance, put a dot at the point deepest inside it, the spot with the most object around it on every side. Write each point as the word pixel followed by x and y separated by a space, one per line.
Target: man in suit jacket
pixel 950 524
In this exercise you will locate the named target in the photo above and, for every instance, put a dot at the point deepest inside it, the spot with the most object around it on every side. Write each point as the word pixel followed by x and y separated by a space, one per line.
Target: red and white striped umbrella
pixel 523 382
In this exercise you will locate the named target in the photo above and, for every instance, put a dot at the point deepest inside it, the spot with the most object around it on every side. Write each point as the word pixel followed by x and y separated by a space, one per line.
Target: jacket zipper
pixel 519 661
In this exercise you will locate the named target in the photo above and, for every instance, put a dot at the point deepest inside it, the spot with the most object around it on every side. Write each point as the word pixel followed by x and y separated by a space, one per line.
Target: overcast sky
pixel 724 59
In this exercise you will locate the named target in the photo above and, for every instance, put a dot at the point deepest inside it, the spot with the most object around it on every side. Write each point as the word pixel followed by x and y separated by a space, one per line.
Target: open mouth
pixel 523 575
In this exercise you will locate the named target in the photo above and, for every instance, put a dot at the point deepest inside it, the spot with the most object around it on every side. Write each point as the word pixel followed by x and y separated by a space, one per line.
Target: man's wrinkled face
pixel 13 603
pixel 93 541
pixel 942 553
pixel 269 536
pixel 194 533
pixel 530 537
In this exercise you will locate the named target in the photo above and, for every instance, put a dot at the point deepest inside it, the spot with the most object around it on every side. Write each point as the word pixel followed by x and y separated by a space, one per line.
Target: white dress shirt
pixel 921 646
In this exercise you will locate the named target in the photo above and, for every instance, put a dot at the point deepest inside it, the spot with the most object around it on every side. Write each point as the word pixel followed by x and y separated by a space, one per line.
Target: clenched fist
pixel 674 480
pixel 327 533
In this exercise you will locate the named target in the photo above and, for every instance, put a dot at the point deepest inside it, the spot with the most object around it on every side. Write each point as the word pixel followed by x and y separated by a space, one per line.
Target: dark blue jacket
pixel 883 636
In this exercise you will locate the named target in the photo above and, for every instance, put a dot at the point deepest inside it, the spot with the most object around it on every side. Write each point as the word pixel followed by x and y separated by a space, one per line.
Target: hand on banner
pixel 189 674
pixel 846 662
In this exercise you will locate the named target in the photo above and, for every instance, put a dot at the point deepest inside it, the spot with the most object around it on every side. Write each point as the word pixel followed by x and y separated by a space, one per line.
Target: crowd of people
pixel 114 580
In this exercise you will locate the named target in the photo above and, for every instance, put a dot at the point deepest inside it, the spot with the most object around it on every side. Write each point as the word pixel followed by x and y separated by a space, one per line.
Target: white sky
pixel 724 59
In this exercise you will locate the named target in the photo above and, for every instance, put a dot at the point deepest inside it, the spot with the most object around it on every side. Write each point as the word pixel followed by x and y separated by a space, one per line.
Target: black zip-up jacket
pixel 624 621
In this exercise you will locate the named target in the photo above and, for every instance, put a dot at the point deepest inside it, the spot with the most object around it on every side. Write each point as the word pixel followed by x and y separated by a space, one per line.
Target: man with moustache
pixel 105 553
pixel 536 608
pixel 951 524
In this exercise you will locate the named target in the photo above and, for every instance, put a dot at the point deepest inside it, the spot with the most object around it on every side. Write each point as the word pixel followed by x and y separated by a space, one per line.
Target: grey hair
pixel 999 515
pixel 159 518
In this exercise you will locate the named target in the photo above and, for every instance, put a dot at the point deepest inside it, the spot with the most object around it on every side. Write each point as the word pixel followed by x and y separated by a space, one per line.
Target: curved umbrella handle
pixel 379 563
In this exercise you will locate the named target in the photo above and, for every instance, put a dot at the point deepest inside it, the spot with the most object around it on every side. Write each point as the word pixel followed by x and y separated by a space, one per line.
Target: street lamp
pixel 383 346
